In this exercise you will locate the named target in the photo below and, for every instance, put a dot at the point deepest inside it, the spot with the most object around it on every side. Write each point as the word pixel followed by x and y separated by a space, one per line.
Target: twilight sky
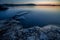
pixel 29 1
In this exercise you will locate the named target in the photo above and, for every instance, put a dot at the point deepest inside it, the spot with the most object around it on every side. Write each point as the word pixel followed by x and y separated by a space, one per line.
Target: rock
pixel 11 29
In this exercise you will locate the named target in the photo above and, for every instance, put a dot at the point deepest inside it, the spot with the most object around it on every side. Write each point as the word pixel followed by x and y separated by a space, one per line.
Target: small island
pixel 20 4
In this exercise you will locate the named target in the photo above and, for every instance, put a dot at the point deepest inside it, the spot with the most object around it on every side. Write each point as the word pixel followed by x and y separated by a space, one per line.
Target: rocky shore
pixel 11 29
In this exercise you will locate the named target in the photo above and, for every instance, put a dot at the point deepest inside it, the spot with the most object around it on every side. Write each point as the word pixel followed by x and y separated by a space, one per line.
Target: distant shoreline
pixel 30 4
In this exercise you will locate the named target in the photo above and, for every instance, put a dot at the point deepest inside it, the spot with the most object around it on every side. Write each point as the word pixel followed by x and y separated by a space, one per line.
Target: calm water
pixel 36 15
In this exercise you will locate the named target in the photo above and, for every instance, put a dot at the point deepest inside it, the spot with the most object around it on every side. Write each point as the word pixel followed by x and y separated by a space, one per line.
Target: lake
pixel 33 15
pixel 30 23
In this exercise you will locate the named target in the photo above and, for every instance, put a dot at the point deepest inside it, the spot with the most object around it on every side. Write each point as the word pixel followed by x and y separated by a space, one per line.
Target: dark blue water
pixel 33 16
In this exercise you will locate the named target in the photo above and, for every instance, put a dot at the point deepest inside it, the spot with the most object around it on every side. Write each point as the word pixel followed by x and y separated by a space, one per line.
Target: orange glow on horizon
pixel 47 3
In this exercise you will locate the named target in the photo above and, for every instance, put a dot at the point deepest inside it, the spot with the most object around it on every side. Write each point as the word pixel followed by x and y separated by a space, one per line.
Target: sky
pixel 29 1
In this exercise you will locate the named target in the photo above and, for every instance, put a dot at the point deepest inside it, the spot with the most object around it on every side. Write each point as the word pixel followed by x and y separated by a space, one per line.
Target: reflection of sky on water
pixel 37 15
pixel 45 8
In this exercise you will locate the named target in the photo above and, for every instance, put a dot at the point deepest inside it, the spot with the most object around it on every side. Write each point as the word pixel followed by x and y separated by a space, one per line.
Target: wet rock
pixel 11 29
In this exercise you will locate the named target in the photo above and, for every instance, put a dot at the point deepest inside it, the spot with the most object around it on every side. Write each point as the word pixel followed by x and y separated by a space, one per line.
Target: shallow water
pixel 36 15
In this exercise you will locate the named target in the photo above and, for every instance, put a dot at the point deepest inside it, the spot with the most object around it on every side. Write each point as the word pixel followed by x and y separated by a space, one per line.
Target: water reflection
pixel 36 15
pixel 45 8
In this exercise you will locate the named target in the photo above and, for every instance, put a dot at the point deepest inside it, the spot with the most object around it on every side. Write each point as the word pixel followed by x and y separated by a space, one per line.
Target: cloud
pixel 14 1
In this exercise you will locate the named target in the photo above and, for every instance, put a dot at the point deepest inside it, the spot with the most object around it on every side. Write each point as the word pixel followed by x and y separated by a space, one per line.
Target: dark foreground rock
pixel 12 30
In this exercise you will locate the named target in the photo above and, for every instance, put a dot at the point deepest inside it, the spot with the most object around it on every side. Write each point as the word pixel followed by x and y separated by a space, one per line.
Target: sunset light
pixel 47 3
